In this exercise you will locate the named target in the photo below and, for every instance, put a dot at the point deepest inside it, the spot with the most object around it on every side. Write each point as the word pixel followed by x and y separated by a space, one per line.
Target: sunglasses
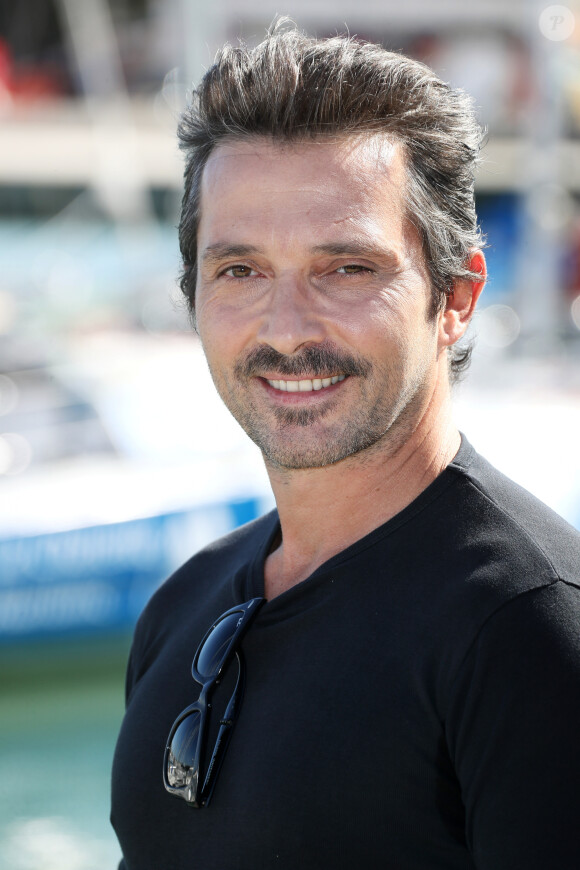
pixel 184 752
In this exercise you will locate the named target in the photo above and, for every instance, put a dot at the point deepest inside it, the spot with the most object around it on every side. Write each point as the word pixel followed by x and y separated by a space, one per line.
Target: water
pixel 60 711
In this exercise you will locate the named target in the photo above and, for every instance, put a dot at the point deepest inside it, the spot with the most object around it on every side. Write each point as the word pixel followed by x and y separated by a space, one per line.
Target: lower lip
pixel 301 397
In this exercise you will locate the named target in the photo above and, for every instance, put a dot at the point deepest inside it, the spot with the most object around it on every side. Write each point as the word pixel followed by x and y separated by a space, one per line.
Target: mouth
pixel 305 385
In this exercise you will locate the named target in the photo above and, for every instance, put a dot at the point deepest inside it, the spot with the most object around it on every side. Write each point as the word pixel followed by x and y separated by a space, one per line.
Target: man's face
pixel 313 298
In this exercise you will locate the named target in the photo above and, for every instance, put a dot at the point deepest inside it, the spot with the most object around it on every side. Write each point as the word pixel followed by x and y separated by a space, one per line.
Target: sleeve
pixel 514 734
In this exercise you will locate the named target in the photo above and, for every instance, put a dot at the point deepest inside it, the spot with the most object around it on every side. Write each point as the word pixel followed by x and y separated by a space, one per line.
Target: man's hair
pixel 292 88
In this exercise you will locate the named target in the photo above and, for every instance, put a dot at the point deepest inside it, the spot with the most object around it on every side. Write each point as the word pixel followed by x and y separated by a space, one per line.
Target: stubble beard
pixel 297 438
pixel 293 443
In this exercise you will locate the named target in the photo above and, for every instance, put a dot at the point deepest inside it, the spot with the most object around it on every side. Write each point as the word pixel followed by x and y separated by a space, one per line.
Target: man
pixel 394 683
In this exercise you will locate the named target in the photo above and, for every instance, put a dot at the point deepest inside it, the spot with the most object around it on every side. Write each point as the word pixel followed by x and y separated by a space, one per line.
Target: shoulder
pixel 517 530
pixel 202 587
pixel 493 558
pixel 226 553
pixel 217 561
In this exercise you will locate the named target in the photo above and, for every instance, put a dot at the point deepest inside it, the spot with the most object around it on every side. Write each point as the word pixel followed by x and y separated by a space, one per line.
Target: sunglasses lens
pixel 211 654
pixel 182 749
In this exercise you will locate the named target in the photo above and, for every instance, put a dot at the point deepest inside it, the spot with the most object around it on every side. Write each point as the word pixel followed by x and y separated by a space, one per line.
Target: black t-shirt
pixel 414 704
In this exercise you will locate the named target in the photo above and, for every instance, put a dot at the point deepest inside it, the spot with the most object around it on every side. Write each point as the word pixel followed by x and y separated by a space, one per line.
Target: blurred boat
pixel 124 463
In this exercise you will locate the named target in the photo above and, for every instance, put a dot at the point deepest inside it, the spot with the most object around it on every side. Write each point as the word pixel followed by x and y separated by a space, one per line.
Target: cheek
pixel 212 335
pixel 216 323
pixel 398 333
pixel 377 324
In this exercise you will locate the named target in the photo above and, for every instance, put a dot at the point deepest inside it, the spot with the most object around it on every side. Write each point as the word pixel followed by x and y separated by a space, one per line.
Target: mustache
pixel 312 361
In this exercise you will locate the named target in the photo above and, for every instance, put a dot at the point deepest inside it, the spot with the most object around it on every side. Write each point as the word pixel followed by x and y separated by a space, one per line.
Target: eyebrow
pixel 222 251
pixel 356 249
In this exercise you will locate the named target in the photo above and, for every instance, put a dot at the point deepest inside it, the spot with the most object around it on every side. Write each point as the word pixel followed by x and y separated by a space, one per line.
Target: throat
pixel 281 574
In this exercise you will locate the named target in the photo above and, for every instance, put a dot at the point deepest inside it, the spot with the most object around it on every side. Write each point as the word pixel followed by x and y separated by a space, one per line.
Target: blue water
pixel 58 725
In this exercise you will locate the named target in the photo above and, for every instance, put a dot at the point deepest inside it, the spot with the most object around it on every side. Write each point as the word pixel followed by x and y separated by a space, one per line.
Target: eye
pixel 352 269
pixel 238 271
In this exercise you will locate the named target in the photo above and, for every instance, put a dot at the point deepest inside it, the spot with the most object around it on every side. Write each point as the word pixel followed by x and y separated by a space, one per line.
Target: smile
pixel 306 385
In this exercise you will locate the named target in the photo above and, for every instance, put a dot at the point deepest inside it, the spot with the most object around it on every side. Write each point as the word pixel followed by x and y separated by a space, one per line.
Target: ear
pixel 461 303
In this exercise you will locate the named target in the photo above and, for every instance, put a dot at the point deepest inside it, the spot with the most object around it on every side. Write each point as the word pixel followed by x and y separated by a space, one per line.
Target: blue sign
pixel 98 579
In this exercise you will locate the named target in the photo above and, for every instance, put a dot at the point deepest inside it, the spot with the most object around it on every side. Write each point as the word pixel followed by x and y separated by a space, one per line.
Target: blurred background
pixel 117 461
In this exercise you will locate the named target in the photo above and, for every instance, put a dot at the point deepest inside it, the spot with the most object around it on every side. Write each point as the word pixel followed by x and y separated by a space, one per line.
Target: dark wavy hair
pixel 293 88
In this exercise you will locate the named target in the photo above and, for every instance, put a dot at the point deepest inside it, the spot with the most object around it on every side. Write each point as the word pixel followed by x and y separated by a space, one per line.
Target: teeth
pixel 306 385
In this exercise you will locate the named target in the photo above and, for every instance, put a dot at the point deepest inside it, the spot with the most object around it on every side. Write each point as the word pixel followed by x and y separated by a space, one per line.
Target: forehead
pixel 336 180
pixel 350 154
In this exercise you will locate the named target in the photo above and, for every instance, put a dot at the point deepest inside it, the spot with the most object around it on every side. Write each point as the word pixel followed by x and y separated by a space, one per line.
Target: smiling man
pixel 384 672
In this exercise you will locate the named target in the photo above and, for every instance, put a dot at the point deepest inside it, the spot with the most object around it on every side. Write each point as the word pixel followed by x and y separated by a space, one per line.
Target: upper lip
pixel 303 376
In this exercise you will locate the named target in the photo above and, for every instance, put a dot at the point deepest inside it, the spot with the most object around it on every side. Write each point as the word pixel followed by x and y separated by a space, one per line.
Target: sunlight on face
pixel 309 271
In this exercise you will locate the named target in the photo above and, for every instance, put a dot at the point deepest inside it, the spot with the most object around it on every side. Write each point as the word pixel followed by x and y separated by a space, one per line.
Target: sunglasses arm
pixel 224 734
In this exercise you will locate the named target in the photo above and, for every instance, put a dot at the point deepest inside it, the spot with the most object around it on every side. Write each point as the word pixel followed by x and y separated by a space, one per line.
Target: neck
pixel 324 510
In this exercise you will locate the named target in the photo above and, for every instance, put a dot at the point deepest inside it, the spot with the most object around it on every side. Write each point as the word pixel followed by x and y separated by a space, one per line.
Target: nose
pixel 290 318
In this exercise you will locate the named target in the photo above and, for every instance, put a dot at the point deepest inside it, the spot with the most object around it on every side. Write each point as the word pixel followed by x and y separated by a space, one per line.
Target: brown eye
pixel 239 271
pixel 352 269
